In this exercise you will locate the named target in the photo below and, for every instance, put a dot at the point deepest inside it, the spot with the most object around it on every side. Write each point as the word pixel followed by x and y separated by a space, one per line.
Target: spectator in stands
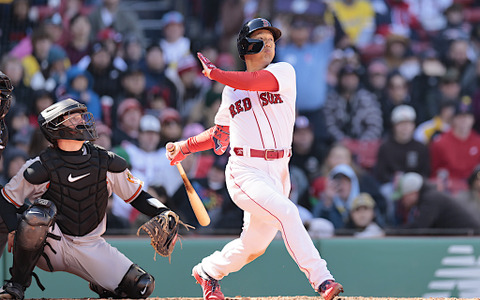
pixel 357 19
pixel 78 44
pixel 397 94
pixel 400 153
pixel 430 13
pixel 17 121
pixel 154 69
pixel 54 26
pixel 376 79
pixel 456 28
pixel 397 51
pixel 129 113
pixel 457 58
pixel 427 208
pixel 38 143
pixel 336 200
pixel 362 218
pixel 16 25
pixel 192 89
pixel 307 153
pixel 210 105
pixel 110 14
pixel 79 86
pixel 310 59
pixel 457 151
pixel 428 130
pixel 398 18
pixel 133 50
pixel 471 197
pixel 57 71
pixel 104 135
pixel 148 160
pixel 339 154
pixel 14 159
pixel 172 126
pixel 13 67
pixel 175 45
pixel 424 87
pixel 352 112
pixel 106 76
pixel 133 85
pixel 36 65
pixel 41 99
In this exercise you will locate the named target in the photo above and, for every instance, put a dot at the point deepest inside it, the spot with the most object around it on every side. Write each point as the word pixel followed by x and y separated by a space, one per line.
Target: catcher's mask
pixel 6 89
pixel 246 45
pixel 67 120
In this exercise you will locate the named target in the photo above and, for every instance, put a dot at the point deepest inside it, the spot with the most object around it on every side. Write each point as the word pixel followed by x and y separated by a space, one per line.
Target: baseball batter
pixel 257 117
pixel 70 184
pixel 6 89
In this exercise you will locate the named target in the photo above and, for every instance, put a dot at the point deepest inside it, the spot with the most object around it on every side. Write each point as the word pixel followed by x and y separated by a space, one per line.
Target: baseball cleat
pixel 12 290
pixel 330 289
pixel 210 286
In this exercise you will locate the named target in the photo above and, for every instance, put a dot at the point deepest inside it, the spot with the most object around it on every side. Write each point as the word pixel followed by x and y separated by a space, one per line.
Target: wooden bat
pixel 195 201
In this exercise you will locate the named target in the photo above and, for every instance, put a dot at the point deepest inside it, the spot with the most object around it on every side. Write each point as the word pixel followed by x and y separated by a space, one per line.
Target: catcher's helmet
pixel 56 122
pixel 246 45
pixel 6 89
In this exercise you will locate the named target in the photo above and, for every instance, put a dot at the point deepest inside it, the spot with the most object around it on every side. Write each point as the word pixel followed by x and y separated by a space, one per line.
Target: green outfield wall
pixel 389 267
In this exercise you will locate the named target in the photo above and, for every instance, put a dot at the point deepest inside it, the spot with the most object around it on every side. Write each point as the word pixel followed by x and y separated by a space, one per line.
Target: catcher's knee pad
pixel 136 284
pixel 33 228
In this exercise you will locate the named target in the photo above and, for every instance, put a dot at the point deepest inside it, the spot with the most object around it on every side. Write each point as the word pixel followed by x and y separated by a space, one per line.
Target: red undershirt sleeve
pixel 261 80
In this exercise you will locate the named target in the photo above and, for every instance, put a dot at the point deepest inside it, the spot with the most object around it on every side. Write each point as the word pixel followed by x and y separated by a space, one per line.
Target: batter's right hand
pixel 11 237
pixel 207 65
pixel 176 152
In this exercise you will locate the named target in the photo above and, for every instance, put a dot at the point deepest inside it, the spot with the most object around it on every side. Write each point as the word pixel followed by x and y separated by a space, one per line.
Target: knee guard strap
pixel 136 284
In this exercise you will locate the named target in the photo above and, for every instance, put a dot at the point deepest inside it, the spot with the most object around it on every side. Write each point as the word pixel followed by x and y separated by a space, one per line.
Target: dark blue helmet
pixel 6 89
pixel 246 45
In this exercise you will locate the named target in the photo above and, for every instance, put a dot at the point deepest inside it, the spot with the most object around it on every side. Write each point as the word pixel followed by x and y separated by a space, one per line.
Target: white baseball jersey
pixel 261 120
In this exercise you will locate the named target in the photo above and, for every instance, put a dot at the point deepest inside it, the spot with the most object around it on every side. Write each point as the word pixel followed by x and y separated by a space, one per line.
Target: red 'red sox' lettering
pixel 240 105
pixel 269 98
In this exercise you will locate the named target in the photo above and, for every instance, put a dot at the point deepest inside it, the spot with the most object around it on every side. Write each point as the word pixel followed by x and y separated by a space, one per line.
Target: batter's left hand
pixel 207 65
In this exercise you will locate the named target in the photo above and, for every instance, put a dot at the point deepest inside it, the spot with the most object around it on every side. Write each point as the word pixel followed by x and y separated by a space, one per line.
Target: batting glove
pixel 176 152
pixel 208 66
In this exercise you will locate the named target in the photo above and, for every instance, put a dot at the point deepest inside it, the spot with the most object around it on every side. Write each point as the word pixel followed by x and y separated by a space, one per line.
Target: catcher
pixel 71 182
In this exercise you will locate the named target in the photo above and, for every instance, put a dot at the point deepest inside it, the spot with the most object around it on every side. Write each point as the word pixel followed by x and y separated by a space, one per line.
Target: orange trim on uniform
pixel 10 199
pixel 134 195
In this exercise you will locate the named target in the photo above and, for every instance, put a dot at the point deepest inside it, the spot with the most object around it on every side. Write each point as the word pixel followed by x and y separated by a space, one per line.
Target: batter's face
pixel 264 57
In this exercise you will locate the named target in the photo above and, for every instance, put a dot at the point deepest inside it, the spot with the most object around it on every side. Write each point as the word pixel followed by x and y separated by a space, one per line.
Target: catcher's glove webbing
pixel 163 232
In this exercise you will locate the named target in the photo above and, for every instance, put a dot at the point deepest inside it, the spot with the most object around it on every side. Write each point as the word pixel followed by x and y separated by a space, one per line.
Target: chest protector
pixel 78 187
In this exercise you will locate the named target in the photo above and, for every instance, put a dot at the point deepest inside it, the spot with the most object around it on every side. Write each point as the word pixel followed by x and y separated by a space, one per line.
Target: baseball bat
pixel 195 201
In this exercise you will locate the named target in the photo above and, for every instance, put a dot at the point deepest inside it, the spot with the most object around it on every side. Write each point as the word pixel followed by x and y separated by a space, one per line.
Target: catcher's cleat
pixel 12 290
pixel 210 286
pixel 330 289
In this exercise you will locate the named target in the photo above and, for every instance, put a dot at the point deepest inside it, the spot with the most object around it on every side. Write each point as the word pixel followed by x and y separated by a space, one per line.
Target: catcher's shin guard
pixel 136 284
pixel 30 239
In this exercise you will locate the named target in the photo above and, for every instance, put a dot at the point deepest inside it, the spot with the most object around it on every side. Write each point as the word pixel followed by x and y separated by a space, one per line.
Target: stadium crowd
pixel 387 135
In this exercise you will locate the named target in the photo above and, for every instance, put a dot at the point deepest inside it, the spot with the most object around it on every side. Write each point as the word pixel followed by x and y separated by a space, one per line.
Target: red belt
pixel 267 154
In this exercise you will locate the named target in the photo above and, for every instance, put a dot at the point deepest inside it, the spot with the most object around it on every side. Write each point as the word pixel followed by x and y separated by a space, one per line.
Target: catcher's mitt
pixel 163 231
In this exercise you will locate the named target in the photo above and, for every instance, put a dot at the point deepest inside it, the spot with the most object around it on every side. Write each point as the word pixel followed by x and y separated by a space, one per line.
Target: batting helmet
pixel 246 45
pixel 6 89
pixel 54 122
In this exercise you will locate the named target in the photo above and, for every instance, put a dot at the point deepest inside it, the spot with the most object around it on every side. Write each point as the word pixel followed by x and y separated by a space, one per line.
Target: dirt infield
pixel 288 298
